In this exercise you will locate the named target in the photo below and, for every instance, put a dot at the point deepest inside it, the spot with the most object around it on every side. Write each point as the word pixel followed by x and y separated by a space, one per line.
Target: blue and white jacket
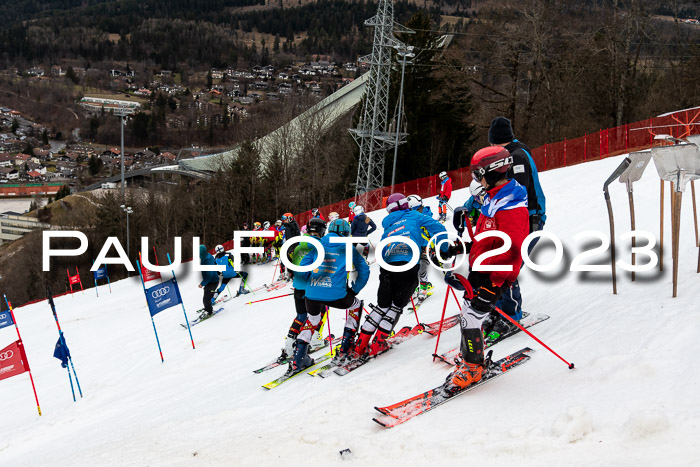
pixel 329 281
pixel 411 224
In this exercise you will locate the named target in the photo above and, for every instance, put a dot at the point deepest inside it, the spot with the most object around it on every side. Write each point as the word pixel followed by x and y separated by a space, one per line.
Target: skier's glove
pixel 535 222
pixel 455 249
pixel 485 297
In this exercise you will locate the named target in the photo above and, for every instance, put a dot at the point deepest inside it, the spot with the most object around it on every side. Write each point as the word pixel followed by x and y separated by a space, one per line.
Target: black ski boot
pixel 346 344
pixel 301 358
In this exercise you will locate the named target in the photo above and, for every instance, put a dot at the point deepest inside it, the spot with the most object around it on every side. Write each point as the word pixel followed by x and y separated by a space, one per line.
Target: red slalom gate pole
pixel 31 378
pixel 570 365
pixel 442 319
pixel 271 298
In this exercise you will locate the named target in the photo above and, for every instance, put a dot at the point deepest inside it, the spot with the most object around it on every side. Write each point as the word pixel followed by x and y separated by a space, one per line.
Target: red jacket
pixel 446 189
pixel 512 222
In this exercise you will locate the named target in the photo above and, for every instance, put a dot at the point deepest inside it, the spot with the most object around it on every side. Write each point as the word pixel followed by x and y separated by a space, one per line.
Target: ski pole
pixel 505 315
pixel 456 299
pixel 275 271
pixel 327 320
pixel 415 311
pixel 442 319
pixel 271 298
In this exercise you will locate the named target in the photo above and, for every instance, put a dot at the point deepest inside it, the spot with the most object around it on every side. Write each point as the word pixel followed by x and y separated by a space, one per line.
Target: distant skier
pixel 315 228
pixel 351 216
pixel 291 228
pixel 245 242
pixel 226 259
pixel 328 287
pixel 504 209
pixel 362 226
pixel 317 214
pixel 333 216
pixel 395 288
pixel 444 196
pixel 257 242
pixel 211 280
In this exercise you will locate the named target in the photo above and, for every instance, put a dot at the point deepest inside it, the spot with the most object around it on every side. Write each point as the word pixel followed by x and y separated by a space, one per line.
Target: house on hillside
pixel 168 157
pixel 6 160
pixel 21 159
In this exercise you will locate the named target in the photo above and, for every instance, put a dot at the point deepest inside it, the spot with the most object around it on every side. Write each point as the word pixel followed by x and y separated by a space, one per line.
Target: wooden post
pixel 676 224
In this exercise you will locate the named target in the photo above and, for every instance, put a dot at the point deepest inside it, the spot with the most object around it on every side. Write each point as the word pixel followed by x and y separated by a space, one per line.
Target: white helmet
pixel 333 216
pixel 414 202
pixel 358 210
pixel 477 191
pixel 266 225
pixel 443 175
pixel 219 249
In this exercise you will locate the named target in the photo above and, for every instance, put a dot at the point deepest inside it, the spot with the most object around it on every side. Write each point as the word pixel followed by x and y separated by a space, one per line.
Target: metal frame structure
pixel 373 134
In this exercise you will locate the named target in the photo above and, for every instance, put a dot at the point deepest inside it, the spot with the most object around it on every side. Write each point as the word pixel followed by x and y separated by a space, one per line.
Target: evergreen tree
pixel 94 165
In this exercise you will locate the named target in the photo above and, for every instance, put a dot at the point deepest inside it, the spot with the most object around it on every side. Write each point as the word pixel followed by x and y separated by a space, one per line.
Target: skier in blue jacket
pixel 328 287
pixel 226 259
pixel 211 280
pixel 395 288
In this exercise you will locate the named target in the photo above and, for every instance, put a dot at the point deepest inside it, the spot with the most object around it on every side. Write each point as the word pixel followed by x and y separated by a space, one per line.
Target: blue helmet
pixel 340 227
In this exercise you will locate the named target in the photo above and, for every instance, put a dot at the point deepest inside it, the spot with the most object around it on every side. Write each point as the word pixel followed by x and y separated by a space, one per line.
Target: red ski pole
pixel 570 365
pixel 456 299
pixel 415 311
pixel 442 319
pixel 271 298
pixel 274 273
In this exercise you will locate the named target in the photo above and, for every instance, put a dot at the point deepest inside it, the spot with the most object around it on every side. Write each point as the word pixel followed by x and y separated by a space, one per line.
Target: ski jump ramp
pixel 320 116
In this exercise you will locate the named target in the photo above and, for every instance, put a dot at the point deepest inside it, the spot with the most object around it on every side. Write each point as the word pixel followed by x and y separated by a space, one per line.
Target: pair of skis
pixel 401 336
pixel 401 412
pixel 280 362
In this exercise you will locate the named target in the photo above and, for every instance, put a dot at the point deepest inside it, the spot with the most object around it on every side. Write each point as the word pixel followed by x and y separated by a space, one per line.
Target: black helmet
pixel 316 225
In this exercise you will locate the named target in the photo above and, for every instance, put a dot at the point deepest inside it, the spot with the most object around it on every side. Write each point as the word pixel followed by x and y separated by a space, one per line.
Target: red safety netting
pixel 599 145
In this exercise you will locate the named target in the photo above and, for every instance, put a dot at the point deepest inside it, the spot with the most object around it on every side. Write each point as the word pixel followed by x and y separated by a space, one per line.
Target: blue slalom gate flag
pixel 61 351
pixel 162 296
pixel 101 273
pixel 5 319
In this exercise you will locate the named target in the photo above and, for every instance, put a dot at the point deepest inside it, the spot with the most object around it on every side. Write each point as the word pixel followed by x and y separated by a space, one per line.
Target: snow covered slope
pixel 632 399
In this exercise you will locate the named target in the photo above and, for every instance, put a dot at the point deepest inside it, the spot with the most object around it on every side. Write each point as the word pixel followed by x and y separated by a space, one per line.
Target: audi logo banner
pixel 162 296
pixel 5 319
pixel 12 361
